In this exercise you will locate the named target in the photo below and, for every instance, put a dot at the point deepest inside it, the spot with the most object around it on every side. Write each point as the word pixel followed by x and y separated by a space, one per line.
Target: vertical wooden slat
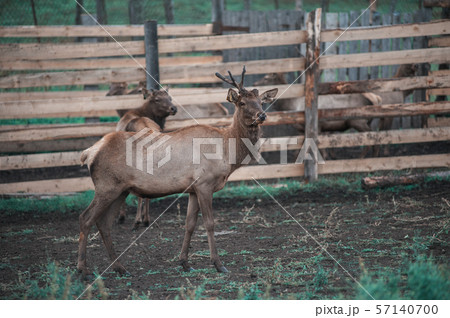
pixel 375 46
pixel 342 49
pixel 386 46
pixel 407 45
pixel 364 45
pixel 311 85
pixel 353 47
pixel 331 22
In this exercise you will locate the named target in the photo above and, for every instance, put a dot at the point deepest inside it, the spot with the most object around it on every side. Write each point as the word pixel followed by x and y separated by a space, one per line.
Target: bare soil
pixel 261 245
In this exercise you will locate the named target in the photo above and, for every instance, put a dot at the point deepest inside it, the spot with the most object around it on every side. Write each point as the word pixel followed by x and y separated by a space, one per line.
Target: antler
pixel 233 82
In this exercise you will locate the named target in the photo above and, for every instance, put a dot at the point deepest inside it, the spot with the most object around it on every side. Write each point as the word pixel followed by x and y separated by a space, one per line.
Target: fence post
pixel 151 54
pixel 311 89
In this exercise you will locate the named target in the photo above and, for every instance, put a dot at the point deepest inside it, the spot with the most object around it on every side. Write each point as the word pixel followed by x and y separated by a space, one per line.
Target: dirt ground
pixel 260 244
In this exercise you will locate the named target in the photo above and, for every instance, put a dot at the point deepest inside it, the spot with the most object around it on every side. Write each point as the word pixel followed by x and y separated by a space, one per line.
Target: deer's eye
pixel 156 99
pixel 241 104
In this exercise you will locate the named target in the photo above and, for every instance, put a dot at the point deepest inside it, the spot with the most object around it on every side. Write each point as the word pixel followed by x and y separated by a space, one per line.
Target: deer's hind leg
pixel 87 219
pixel 104 224
pixel 191 221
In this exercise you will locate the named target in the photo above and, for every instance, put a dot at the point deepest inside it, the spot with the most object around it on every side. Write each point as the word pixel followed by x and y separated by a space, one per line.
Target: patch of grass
pixel 55 282
pixel 420 280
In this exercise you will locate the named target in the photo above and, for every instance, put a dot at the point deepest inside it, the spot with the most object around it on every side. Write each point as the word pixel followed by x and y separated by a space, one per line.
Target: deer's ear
pixel 146 92
pixel 232 96
pixel 269 95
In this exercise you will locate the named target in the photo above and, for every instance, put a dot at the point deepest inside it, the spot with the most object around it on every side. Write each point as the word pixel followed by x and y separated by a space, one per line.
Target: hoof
pixel 135 226
pixel 222 269
pixel 121 219
pixel 121 270
pixel 146 223
pixel 186 266
pixel 85 274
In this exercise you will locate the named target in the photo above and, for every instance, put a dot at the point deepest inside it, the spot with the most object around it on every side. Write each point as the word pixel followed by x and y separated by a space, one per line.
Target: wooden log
pixel 438 122
pixel 434 55
pixel 99 63
pixel 436 3
pixel 392 110
pixel 389 181
pixel 67 31
pixel 384 85
pixel 311 83
pixel 438 27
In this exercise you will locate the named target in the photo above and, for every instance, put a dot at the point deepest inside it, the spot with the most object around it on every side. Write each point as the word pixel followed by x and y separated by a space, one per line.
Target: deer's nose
pixel 173 109
pixel 262 117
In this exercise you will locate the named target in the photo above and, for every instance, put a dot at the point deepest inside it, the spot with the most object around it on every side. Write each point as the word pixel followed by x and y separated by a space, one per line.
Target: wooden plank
pixel 91 130
pixel 48 145
pixel 438 27
pixel 342 46
pixel 384 85
pixel 78 107
pixel 371 111
pixel 249 172
pixel 383 137
pixel 363 139
pixel 353 73
pixel 58 159
pixel 364 46
pixel 35 51
pixel 169 74
pixel 440 72
pixel 48 186
pixel 274 171
pixel 439 41
pixel 98 63
pixel 331 22
pixel 227 42
pixel 388 163
pixel 434 55
pixel 97 31
pixel 385 47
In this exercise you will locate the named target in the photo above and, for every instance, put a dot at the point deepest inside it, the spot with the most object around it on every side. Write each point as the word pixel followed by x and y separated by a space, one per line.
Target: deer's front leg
pixel 205 202
pixel 191 221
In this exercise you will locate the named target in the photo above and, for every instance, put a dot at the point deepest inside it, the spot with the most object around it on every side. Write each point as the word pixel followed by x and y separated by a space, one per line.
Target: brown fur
pixel 114 180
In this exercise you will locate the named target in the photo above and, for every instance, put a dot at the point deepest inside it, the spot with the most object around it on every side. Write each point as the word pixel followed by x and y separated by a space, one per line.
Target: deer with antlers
pixel 114 179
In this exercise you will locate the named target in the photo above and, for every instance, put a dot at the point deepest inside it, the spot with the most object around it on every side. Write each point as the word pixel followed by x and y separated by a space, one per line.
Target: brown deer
pixel 152 114
pixel 114 179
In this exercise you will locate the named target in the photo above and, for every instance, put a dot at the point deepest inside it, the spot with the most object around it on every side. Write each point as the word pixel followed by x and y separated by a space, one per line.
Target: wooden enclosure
pixel 185 58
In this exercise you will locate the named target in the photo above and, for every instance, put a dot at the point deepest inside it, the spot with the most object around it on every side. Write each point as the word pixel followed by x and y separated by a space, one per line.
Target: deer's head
pixel 117 88
pixel 271 79
pixel 159 103
pixel 248 103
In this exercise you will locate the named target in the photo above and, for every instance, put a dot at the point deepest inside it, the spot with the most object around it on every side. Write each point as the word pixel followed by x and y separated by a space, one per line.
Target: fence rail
pixel 96 63
pixel 105 31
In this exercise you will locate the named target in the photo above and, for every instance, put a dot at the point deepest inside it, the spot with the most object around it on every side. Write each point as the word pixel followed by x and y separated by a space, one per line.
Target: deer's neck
pixel 239 131
pixel 146 110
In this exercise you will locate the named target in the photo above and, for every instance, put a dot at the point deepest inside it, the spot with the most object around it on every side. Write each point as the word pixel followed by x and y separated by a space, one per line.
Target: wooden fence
pixel 105 62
